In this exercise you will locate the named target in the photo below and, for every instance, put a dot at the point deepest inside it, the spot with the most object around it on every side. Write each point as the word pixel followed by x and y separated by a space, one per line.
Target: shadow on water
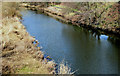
pixel 84 50
pixel 115 42
pixel 92 51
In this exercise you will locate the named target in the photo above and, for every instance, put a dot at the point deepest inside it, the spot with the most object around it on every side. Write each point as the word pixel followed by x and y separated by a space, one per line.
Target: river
pixel 84 52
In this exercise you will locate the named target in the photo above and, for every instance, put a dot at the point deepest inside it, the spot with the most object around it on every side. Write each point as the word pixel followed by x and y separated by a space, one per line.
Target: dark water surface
pixel 82 50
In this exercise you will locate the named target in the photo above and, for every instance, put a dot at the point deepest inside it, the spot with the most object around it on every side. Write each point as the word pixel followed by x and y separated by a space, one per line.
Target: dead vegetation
pixel 19 54
pixel 63 68
pixel 10 9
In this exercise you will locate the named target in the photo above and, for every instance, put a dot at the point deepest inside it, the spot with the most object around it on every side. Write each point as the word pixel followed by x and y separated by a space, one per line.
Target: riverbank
pixel 76 45
pixel 20 54
pixel 100 25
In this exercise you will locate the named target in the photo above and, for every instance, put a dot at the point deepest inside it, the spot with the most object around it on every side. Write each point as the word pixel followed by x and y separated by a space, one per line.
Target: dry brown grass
pixel 16 43
pixel 15 56
pixel 10 9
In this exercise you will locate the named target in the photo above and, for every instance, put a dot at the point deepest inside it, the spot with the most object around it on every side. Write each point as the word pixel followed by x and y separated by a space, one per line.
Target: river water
pixel 84 52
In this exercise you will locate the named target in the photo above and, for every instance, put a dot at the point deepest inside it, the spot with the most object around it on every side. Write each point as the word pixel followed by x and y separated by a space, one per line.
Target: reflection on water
pixel 104 37
pixel 87 52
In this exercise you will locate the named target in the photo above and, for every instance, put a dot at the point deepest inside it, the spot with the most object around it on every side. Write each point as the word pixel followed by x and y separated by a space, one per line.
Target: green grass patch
pixel 59 6
pixel 72 14
pixel 75 10
pixel 25 69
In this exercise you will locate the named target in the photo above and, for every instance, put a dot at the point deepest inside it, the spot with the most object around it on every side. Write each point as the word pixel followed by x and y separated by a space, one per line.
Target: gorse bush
pixel 10 9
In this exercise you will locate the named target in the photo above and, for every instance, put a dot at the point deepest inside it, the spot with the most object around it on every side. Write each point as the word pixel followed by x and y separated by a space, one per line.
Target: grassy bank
pixel 10 9
pixel 98 16
pixel 20 53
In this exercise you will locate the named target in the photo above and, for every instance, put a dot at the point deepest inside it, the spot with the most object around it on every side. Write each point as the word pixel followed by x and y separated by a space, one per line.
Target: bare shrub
pixel 64 69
